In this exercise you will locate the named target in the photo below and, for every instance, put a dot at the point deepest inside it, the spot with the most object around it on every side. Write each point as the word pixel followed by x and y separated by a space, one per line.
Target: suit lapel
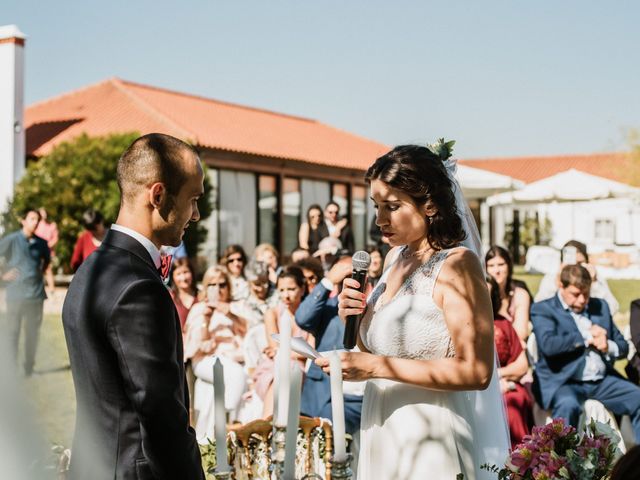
pixel 565 315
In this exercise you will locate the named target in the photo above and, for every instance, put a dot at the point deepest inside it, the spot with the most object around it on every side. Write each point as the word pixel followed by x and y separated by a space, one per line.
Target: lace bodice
pixel 409 325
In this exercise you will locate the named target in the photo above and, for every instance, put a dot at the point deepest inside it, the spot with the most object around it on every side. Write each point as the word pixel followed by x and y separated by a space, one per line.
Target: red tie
pixel 165 266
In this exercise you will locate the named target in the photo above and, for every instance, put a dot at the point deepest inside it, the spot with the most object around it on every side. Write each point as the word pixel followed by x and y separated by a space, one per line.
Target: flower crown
pixel 441 149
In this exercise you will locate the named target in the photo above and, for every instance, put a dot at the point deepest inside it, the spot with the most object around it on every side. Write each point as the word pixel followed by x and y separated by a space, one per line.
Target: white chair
pixel 592 409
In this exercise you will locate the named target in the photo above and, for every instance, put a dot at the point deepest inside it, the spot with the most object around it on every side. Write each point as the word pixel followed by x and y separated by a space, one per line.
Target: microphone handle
pixel 353 321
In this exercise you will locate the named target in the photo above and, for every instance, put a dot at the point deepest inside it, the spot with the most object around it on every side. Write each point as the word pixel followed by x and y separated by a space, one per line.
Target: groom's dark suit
pixel 125 348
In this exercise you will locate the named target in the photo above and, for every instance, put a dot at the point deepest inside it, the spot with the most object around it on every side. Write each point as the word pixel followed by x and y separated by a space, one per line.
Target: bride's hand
pixel 356 366
pixel 350 301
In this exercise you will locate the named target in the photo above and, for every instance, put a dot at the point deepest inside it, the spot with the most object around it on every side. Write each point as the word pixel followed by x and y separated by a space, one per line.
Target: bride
pixel 432 407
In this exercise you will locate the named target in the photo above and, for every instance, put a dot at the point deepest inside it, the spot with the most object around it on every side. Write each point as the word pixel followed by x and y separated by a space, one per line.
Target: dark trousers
pixel 29 311
pixel 617 394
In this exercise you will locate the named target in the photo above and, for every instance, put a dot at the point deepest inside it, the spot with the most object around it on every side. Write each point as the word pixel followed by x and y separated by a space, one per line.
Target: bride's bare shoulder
pixel 462 262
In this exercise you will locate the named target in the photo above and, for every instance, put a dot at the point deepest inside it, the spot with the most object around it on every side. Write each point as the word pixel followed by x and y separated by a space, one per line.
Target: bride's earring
pixel 430 219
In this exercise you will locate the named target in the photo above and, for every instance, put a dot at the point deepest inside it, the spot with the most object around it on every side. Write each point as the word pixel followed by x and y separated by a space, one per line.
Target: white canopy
pixel 568 186
pixel 478 183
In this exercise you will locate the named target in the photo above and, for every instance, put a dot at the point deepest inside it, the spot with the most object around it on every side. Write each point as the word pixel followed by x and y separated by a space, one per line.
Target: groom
pixel 122 330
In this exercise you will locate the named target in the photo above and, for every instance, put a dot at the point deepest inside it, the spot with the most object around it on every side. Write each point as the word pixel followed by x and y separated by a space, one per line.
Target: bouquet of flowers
pixel 558 451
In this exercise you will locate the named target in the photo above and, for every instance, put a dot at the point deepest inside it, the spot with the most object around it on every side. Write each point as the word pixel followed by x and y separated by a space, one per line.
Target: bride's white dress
pixel 409 432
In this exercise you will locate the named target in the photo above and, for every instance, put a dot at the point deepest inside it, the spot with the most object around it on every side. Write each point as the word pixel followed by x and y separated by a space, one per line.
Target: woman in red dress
pixel 513 366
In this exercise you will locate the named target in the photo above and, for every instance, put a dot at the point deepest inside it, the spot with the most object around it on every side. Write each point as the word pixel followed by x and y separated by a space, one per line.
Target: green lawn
pixel 50 389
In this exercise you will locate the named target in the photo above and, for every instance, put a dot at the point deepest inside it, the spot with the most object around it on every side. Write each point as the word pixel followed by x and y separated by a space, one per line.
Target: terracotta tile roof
pixel 614 166
pixel 117 105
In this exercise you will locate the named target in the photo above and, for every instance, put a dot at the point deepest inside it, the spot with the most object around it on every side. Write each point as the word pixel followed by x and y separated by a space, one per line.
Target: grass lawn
pixel 50 389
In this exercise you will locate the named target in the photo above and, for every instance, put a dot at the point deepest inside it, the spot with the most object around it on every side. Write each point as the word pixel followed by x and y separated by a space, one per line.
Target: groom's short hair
pixel 152 158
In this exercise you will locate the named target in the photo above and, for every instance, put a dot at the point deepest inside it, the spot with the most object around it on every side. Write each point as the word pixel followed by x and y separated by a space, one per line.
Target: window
pixel 605 230
pixel 291 213
pixel 267 209
pixel 359 216
pixel 237 209
pixel 313 191
pixel 340 195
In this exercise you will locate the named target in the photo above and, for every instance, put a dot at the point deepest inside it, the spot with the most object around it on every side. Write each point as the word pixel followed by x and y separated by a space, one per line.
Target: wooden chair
pixel 251 448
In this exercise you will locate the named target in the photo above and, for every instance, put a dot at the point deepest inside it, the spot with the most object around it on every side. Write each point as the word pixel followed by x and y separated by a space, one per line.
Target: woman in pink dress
pixel 183 288
pixel 292 289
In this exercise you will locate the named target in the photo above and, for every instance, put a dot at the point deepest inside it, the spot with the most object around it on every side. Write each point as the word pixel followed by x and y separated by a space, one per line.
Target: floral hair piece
pixel 441 149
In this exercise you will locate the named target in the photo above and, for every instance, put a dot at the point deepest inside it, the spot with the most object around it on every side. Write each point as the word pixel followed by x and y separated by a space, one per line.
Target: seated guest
pixel 312 271
pixel 515 301
pixel 298 254
pixel 214 330
pixel 267 254
pixel 338 227
pixel 599 286
pixel 291 289
pixel 513 366
pixel 577 345
pixel 90 239
pixel 318 315
pixel 261 297
pixel 633 367
pixel 235 259
pixel 183 288
pixel 375 268
pixel 313 230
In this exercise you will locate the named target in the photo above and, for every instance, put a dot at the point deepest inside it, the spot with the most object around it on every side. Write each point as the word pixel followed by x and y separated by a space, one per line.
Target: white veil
pixel 491 430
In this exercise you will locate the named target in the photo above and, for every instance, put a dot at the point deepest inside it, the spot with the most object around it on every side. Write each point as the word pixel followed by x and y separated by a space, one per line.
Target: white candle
pixel 291 435
pixel 220 424
pixel 283 364
pixel 337 408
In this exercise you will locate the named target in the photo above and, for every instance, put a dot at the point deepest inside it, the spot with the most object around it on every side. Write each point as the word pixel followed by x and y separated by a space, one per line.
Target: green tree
pixel 77 175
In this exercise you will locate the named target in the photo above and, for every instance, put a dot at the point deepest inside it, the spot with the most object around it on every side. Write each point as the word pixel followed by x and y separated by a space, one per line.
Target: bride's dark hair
pixel 421 174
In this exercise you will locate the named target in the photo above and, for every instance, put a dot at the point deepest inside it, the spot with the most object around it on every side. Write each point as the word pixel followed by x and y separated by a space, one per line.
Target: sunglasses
pixel 234 259
pixel 219 285
pixel 311 279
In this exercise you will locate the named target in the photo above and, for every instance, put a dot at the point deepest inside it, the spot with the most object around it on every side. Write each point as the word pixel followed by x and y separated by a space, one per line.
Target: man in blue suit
pixel 318 314
pixel 577 344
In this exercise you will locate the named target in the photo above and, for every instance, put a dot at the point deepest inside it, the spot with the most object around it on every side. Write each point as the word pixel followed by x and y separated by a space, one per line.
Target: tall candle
pixel 220 425
pixel 283 364
pixel 337 408
pixel 293 418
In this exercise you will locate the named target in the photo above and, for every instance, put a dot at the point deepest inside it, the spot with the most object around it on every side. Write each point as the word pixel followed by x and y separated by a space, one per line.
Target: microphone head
pixel 361 260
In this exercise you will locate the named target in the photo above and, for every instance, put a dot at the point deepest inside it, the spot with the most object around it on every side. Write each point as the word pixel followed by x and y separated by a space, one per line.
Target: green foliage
pixel 77 175
pixel 196 234
pixel 532 232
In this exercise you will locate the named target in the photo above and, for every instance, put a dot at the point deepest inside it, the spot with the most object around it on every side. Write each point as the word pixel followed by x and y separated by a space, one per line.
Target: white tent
pixel 478 183
pixel 568 186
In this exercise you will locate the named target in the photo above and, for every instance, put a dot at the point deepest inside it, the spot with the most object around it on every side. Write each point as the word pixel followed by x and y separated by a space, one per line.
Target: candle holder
pixel 341 470
pixel 277 451
pixel 228 475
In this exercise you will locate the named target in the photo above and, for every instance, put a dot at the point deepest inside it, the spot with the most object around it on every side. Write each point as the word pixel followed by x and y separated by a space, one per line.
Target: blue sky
pixel 503 78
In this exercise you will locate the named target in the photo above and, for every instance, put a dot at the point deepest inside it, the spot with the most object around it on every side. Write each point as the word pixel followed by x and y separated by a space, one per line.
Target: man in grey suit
pixel 122 330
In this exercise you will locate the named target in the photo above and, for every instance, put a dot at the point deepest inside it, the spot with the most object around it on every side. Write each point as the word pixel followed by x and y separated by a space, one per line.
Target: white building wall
pixel 12 135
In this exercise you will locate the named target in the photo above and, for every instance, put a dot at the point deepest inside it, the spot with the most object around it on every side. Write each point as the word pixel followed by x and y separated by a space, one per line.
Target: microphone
pixel 360 261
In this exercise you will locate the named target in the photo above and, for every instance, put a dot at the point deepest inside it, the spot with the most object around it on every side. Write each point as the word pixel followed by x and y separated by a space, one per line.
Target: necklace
pixel 406 254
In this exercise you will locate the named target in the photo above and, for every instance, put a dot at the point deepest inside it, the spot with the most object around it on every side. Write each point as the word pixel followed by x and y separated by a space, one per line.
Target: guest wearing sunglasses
pixel 235 259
